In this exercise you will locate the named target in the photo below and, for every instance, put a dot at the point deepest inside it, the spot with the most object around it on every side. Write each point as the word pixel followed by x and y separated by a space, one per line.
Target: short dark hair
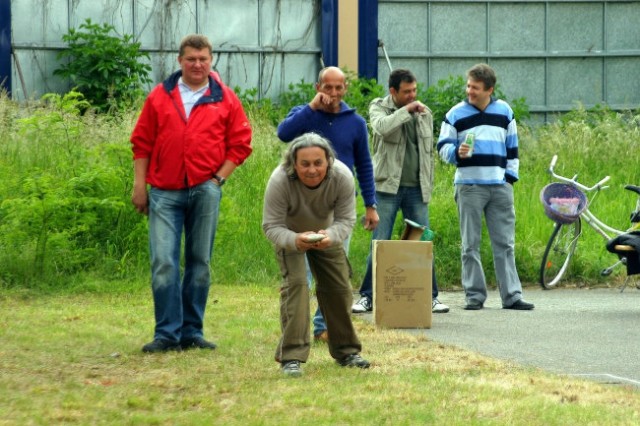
pixel 483 73
pixel 195 41
pixel 400 75
pixel 306 140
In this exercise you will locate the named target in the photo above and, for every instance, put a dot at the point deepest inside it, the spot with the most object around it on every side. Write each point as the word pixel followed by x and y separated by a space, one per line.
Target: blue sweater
pixel 495 150
pixel 347 132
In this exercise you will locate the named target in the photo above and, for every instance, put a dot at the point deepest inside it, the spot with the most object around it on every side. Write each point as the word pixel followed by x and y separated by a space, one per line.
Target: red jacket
pixel 183 153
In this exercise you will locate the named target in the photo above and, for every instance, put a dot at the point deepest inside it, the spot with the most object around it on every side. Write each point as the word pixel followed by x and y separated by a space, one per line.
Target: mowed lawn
pixel 76 359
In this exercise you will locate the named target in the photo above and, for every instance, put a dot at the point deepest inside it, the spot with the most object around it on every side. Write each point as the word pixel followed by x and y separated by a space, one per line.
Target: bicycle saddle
pixel 633 188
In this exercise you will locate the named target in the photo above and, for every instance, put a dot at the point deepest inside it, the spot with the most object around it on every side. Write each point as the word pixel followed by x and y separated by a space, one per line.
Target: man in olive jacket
pixel 403 167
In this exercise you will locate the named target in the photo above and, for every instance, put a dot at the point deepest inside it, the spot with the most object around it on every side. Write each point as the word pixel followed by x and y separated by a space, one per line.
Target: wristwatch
pixel 220 180
pixel 373 206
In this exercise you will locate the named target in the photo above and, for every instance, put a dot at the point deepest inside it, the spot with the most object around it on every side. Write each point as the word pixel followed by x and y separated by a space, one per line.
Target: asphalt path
pixel 588 333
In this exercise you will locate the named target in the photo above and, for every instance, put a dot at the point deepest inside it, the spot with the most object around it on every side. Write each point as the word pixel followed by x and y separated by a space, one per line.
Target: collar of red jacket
pixel 215 88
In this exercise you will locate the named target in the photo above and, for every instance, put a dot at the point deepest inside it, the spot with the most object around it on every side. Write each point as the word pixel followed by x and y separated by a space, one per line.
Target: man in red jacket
pixel 191 135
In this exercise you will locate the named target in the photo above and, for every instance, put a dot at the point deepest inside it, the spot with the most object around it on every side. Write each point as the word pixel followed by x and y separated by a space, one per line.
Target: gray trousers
pixel 331 270
pixel 496 203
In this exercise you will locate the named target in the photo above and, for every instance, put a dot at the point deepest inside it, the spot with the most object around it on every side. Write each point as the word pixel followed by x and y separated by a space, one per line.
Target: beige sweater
pixel 290 207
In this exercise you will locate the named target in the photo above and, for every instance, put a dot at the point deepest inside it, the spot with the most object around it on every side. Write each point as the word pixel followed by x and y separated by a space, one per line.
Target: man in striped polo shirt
pixel 479 136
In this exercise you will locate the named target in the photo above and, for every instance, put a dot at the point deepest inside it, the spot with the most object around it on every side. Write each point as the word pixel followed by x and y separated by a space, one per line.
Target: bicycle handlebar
pixel 573 180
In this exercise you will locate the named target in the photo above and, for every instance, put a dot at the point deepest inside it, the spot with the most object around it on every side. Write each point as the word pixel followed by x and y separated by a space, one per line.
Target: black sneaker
pixel 291 368
pixel 197 343
pixel 354 360
pixel 161 345
pixel 473 306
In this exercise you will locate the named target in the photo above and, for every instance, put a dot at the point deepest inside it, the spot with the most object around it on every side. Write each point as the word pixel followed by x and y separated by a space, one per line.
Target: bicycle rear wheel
pixel 558 253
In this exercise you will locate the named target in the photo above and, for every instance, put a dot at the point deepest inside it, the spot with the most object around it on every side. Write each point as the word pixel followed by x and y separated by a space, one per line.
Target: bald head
pixel 330 89
pixel 332 73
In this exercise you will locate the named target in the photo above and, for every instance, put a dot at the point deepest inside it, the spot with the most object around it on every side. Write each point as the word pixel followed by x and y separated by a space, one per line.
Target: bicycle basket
pixel 563 203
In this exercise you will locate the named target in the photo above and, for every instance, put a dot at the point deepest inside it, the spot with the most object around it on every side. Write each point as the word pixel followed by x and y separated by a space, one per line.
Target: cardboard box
pixel 402 283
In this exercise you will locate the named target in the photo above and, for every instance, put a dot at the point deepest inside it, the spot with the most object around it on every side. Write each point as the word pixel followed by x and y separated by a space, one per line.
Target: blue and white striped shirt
pixel 495 150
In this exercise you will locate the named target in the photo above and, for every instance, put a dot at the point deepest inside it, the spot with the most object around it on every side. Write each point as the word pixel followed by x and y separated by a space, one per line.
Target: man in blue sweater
pixel 329 116
pixel 487 168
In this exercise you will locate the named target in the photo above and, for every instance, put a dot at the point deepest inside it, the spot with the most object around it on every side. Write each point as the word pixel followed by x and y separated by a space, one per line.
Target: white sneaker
pixel 438 308
pixel 361 306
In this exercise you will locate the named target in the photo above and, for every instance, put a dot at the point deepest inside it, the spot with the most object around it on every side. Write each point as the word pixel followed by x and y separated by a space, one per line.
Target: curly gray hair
pixel 306 140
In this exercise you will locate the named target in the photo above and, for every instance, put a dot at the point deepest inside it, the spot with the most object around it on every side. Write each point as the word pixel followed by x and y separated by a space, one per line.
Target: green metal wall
pixel 554 53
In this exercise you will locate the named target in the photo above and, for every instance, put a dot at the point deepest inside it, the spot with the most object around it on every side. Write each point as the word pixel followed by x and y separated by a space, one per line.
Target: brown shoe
pixel 322 337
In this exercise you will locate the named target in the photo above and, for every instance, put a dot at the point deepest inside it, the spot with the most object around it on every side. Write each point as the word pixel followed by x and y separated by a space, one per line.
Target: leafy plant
pixel 104 67
pixel 361 92
pixel 448 92
pixel 64 204
pixel 439 97
pixel 66 186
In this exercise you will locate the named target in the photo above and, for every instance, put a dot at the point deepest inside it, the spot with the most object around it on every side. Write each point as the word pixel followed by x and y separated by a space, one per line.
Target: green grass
pixel 76 359
pixel 75 309
pixel 65 207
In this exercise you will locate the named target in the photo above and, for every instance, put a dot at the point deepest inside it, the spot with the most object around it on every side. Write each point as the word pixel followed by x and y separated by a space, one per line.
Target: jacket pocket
pixel 380 168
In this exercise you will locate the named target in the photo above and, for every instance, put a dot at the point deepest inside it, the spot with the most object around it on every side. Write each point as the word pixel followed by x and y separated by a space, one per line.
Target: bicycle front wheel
pixel 558 253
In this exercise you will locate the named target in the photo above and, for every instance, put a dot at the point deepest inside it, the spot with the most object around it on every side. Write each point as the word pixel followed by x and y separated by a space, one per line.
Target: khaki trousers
pixel 331 270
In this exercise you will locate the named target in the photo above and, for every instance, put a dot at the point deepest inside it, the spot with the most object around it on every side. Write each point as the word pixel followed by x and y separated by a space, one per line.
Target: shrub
pixel 105 68
pixel 65 200
pixel 440 98
pixel 64 203
pixel 448 92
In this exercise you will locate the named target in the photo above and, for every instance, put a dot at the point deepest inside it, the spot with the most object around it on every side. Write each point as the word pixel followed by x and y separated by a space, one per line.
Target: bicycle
pixel 568 215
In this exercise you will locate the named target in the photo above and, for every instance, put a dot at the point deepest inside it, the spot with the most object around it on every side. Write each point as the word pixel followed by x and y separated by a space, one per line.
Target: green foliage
pixel 105 68
pixel 361 91
pixel 297 94
pixel 65 200
pixel 451 91
pixel 64 203
pixel 441 97
pixel 598 117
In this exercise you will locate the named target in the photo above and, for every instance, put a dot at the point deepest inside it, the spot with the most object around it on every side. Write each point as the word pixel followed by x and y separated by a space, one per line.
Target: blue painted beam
pixel 368 38
pixel 329 30
pixel 5 45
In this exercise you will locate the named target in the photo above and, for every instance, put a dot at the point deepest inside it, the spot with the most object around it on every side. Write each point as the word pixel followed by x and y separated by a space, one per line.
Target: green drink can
pixel 469 140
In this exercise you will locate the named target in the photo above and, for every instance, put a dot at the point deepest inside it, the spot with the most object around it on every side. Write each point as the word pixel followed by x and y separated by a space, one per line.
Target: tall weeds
pixel 64 203
pixel 66 183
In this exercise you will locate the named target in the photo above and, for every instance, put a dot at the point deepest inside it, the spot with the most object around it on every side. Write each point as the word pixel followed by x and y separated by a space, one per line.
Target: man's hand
pixel 140 199
pixel 139 196
pixel 303 244
pixel 320 102
pixel 416 107
pixel 371 219
pixel 464 150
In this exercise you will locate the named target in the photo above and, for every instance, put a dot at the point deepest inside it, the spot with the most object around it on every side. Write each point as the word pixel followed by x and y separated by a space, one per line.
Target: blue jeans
pixel 180 304
pixel 409 200
pixel 319 324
